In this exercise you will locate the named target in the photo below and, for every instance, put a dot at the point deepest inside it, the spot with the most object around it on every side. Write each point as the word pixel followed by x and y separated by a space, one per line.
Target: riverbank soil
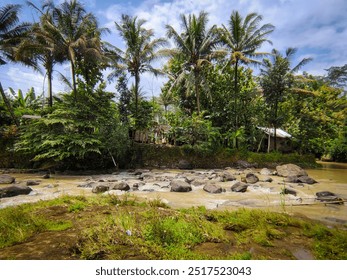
pixel 127 228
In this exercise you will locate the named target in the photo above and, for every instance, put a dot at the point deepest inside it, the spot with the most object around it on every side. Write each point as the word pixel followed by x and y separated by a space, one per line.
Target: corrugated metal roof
pixel 279 132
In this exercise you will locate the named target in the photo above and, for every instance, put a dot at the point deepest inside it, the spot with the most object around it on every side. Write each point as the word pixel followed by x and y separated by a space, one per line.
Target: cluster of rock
pixel 145 180
pixel 14 188
pixel 211 181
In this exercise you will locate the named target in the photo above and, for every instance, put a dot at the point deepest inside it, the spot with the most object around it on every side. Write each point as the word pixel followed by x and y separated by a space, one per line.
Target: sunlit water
pixel 331 177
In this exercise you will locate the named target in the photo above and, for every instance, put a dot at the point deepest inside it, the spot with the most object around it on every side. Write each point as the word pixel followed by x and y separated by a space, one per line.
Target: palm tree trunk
pixel 235 99
pixel 137 82
pixel 8 105
pixel 50 93
pixel 275 125
pixel 73 80
pixel 196 88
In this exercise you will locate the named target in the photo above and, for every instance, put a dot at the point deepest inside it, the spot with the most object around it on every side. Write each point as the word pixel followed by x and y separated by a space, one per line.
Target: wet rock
pixel 251 178
pixel 100 188
pixel 267 179
pixel 210 188
pixel 46 176
pixel 266 171
pixel 239 187
pixel 88 185
pixel 227 176
pixel 199 183
pixel 14 191
pixel 180 186
pixel 288 190
pixel 49 186
pixel 292 179
pixel 184 164
pixel 122 186
pixel 326 196
pixel 6 179
pixel 306 180
pixel 287 170
pixel 33 182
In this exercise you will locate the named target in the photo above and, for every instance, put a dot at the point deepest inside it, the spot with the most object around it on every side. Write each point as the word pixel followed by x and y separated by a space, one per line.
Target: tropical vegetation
pixel 212 100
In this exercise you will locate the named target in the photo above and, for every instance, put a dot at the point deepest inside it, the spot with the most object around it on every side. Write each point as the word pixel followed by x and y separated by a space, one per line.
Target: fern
pixel 75 131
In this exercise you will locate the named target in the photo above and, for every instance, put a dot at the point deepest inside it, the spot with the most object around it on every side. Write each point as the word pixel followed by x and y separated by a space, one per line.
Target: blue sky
pixel 318 28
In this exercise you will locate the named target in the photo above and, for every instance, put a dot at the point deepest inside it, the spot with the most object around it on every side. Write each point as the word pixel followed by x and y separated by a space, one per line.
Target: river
pixel 330 176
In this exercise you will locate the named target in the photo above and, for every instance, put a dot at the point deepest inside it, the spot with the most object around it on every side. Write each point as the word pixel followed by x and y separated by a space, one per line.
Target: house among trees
pixel 283 140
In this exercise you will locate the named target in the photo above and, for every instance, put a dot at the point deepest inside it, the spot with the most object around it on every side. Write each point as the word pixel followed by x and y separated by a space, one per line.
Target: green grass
pixel 123 227
pixel 21 222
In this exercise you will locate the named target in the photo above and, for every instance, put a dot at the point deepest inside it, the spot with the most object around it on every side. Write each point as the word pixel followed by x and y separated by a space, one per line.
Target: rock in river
pixel 239 187
pixel 6 179
pixel 180 186
pixel 210 188
pixel 287 170
pixel 251 178
pixel 14 191
pixel 306 180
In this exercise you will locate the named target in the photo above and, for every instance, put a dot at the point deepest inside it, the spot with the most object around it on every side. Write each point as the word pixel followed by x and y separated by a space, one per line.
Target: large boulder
pixel 227 176
pixel 210 188
pixel 100 188
pixel 6 179
pixel 122 186
pixel 266 171
pixel 251 178
pixel 14 191
pixel 33 182
pixel 180 186
pixel 239 187
pixel 287 170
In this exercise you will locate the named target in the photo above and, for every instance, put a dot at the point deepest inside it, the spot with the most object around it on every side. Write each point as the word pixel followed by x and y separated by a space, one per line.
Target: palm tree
pixel 78 33
pixel 276 79
pixel 141 51
pixel 196 45
pixel 41 45
pixel 11 32
pixel 242 37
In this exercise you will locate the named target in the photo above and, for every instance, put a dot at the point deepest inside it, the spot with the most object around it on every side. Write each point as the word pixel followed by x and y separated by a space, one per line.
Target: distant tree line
pixel 212 99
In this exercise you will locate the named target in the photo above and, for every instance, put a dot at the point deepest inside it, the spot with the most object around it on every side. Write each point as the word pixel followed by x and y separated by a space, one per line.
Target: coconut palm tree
pixel 77 32
pixel 242 38
pixel 41 45
pixel 277 79
pixel 196 45
pixel 11 32
pixel 141 51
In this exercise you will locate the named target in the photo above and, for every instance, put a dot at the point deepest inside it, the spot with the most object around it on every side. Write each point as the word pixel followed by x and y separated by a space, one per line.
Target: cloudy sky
pixel 318 28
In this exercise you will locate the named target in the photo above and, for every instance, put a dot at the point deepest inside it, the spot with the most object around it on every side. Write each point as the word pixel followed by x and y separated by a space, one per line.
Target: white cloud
pixel 316 27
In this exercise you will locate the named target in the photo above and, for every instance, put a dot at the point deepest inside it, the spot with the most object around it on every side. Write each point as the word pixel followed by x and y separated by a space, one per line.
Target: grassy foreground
pixel 112 227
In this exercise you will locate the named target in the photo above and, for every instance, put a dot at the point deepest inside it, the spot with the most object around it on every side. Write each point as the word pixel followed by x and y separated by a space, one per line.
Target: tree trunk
pixel 137 83
pixel 196 88
pixel 236 88
pixel 50 93
pixel 8 105
pixel 275 125
pixel 74 88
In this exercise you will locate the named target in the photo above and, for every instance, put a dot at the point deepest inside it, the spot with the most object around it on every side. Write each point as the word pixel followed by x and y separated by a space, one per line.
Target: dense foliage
pixel 211 101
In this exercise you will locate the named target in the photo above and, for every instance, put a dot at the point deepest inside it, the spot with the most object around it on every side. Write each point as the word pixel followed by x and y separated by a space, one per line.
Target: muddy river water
pixel 330 177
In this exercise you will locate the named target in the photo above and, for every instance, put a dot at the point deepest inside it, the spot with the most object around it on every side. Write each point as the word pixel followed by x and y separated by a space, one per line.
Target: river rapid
pixel 264 195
